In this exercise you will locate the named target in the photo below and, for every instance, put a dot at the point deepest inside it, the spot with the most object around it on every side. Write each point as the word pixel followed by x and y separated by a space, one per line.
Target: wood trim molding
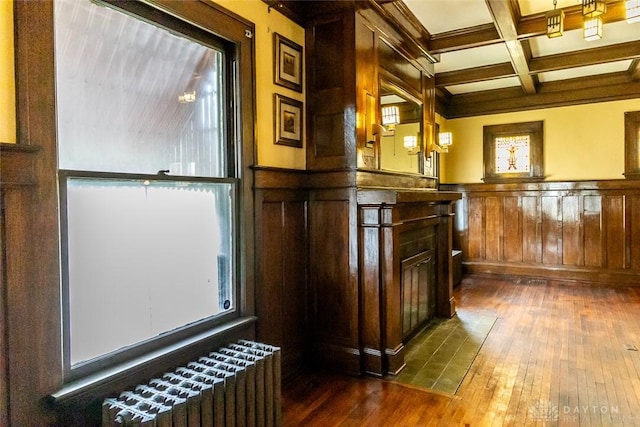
pixel 17 164
pixel 632 145
pixel 505 16
pixel 480 35
pixel 598 55
pixel 584 90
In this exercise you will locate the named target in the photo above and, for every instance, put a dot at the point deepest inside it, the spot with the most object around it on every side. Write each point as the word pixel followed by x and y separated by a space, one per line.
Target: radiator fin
pixel 236 385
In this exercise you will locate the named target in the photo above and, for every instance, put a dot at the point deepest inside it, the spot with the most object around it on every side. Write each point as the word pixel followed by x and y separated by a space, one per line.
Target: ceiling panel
pixel 475 57
pixel 590 70
pixel 530 7
pixel 458 13
pixel 484 85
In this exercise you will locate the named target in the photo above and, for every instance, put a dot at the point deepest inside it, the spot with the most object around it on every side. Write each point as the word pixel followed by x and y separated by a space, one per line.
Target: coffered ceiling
pixel 494 56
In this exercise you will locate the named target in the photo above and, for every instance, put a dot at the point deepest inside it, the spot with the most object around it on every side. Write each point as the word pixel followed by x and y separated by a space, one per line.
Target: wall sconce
pixel 410 142
pixel 187 97
pixel 377 129
pixel 390 116
pixel 593 8
pixel 593 28
pixel 445 139
pixel 632 8
pixel 555 21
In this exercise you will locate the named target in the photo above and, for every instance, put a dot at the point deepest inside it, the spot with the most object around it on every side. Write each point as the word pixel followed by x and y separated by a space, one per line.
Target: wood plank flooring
pixel 559 354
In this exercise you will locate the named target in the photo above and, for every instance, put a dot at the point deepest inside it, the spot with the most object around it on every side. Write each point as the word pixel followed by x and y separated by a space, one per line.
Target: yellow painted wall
pixel 7 74
pixel 266 23
pixel 582 142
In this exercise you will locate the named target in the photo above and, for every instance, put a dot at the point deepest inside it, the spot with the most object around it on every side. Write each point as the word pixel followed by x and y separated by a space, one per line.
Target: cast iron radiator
pixel 237 385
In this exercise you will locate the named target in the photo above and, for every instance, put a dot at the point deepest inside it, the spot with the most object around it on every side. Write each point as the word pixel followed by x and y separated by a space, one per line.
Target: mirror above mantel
pixel 402 142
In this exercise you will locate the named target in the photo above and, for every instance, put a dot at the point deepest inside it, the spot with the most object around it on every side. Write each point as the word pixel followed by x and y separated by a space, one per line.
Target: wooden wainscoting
pixel 281 248
pixel 570 230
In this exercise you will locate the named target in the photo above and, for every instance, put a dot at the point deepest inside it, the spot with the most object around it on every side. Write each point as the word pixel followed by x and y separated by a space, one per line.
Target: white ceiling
pixel 439 16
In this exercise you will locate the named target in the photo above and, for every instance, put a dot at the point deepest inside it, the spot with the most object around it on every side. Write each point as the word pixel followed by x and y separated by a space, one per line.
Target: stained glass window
pixel 513 154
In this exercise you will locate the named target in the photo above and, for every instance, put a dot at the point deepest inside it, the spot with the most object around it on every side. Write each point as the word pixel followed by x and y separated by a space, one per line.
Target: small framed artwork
pixel 287 63
pixel 288 121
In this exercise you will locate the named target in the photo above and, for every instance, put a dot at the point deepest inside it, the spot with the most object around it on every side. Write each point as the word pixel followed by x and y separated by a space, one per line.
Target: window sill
pixel 518 179
pixel 116 379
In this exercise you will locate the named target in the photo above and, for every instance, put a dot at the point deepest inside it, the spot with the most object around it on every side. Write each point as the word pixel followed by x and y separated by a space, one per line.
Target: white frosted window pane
pixel 144 259
pixel 135 98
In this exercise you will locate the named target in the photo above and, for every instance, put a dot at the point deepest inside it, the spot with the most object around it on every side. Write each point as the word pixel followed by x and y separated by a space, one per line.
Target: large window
pixel 148 181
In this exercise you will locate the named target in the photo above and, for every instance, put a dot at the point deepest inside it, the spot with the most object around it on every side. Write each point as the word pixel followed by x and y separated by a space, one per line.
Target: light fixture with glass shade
pixel 445 140
pixel 593 8
pixel 410 142
pixel 555 21
pixel 390 116
pixel 632 8
pixel 593 28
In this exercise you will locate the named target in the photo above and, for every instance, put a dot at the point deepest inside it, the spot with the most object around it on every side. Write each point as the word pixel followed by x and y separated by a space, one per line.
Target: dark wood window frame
pixel 632 145
pixel 35 99
pixel 536 138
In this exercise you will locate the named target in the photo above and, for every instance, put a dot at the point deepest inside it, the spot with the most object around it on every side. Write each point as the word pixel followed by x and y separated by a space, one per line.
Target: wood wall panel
pixel 633 236
pixel 331 280
pixel 493 232
pixel 573 230
pixel 572 248
pixel 613 207
pixel 531 229
pixel 475 236
pixel 592 219
pixel 512 230
pixel 281 293
pixel 281 246
pixel 551 223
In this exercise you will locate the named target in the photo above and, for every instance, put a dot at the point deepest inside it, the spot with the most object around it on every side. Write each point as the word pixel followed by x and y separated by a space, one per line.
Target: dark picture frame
pixel 288 114
pixel 287 60
pixel 535 132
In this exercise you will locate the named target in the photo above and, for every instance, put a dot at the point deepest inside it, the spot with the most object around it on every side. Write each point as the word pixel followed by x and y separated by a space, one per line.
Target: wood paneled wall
pixel 281 248
pixel 574 230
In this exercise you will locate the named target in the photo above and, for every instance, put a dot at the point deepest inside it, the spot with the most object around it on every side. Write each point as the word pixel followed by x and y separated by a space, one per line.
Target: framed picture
pixel 288 121
pixel 287 61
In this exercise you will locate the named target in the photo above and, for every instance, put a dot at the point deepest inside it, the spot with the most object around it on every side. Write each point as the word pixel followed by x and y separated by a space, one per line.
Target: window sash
pixel 75 370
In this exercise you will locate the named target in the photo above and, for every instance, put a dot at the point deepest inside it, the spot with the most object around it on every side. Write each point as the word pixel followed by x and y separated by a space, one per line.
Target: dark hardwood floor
pixel 560 353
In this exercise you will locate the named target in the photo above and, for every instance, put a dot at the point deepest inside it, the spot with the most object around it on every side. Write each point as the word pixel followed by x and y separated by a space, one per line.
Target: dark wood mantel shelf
pixel 405 195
